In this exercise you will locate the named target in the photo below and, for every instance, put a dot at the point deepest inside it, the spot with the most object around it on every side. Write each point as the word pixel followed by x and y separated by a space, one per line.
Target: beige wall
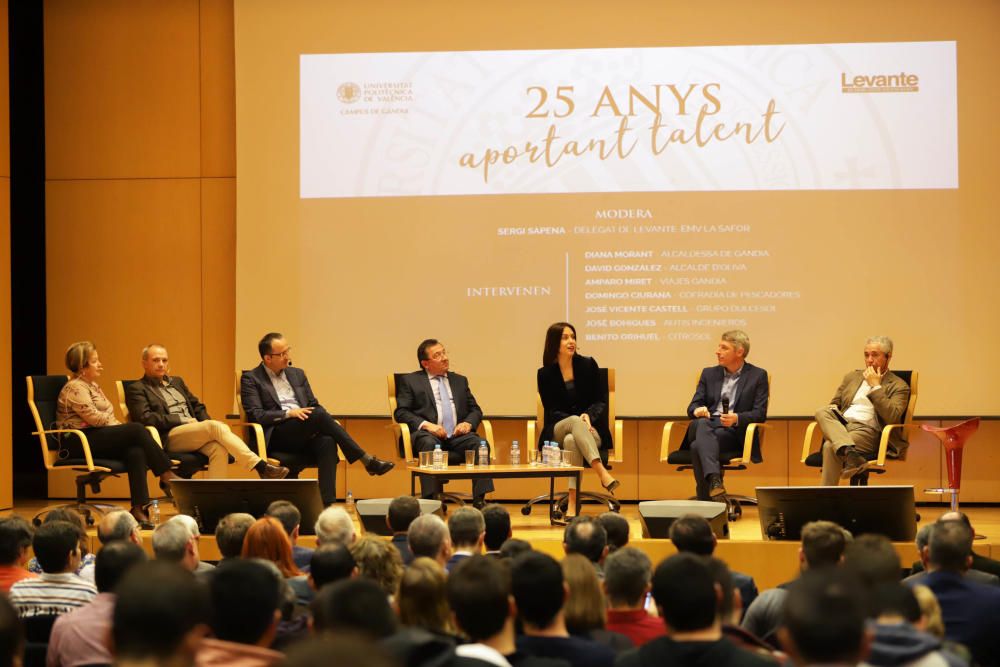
pixel 6 482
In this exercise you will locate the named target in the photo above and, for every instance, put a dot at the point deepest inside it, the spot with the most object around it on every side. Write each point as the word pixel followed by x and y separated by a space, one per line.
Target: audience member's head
pixel 379 561
pixel 72 516
pixel 825 618
pixel 949 547
pixel 584 609
pixel 354 605
pixel 627 575
pixel 334 526
pixel 161 612
pixel 466 527
pixel 729 599
pixel 514 547
pixel 823 544
pixel 188 522
pixel 479 595
pixel 586 537
pixel 895 603
pixel 351 651
pixel 114 561
pixel 57 546
pixel 174 543
pixel 497 520
pixel 118 525
pixel 957 516
pixel 428 536
pixel 923 537
pixel 873 559
pixel 538 588
pixel 423 600
pixel 402 511
pixel 684 590
pixel 329 564
pixel 288 515
pixel 267 539
pixel 15 539
pixel 11 635
pixel 930 610
pixel 693 534
pixel 616 528
pixel 246 597
pixel 230 533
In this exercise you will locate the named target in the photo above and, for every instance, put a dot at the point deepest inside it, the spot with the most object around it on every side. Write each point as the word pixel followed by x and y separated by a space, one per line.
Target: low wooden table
pixel 499 471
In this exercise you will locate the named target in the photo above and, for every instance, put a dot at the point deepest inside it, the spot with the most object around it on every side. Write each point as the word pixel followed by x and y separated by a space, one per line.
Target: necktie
pixel 447 414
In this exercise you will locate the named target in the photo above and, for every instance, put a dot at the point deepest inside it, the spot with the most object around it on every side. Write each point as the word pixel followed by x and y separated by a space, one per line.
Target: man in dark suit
pixel 729 397
pixel 164 402
pixel 439 408
pixel 863 404
pixel 278 397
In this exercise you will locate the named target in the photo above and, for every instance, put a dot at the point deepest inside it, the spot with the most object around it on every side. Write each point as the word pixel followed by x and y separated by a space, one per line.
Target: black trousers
pixel 130 443
pixel 708 438
pixel 454 448
pixel 320 435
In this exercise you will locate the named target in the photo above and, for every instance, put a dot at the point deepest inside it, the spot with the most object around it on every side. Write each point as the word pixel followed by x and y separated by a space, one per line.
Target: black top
pixel 579 652
pixel 591 396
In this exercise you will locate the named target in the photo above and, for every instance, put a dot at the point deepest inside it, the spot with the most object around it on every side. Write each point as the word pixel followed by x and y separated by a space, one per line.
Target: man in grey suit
pixel 278 397
pixel 439 408
pixel 863 404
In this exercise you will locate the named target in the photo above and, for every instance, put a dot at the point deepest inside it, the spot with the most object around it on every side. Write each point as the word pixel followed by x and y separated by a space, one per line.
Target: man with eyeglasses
pixel 278 396
pixel 439 408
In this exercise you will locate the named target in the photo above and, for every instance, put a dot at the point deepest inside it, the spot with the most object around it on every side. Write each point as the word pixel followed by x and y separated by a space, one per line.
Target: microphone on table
pixel 725 404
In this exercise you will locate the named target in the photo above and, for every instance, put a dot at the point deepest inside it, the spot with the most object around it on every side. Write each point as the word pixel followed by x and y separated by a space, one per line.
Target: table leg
pixel 579 488
pixel 552 499
pixel 413 483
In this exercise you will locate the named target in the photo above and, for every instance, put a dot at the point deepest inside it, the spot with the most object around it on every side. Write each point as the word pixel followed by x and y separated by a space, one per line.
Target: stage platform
pixel 769 562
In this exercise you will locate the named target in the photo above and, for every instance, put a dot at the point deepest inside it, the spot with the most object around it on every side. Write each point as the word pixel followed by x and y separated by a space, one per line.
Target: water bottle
pixel 484 453
pixel 437 459
pixel 546 453
pixel 350 503
pixel 154 512
pixel 556 455
pixel 515 454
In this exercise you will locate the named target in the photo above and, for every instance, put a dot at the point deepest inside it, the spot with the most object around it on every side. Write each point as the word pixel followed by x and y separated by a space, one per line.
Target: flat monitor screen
pixel 208 500
pixel 885 510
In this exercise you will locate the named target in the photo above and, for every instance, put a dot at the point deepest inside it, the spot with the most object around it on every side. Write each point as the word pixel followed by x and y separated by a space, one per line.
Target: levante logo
pixel 880 83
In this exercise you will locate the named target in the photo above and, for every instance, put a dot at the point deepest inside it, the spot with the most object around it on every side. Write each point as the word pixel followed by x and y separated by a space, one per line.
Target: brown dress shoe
pixel 273 472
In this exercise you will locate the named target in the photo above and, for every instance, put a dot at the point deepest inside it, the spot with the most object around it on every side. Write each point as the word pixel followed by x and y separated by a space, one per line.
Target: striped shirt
pixel 50 594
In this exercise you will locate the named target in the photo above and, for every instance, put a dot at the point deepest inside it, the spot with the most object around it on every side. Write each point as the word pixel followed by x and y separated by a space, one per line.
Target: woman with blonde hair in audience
pixel 380 561
pixel 585 609
pixel 83 406
pixel 267 539
pixel 422 601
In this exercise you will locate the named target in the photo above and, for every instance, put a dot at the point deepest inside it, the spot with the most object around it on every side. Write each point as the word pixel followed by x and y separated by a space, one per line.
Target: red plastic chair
pixel 953 440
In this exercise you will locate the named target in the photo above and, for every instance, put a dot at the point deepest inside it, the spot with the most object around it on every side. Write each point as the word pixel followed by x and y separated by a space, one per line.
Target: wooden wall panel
pixel 122 87
pixel 6 409
pixel 4 101
pixel 218 286
pixel 218 90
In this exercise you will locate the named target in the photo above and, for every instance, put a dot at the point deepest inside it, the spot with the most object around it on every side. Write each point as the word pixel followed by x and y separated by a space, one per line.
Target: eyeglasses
pixel 284 354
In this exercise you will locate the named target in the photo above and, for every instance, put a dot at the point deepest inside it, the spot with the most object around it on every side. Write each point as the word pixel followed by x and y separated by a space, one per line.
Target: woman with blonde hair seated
pixel 82 405
pixel 585 609
pixel 423 598
pixel 380 561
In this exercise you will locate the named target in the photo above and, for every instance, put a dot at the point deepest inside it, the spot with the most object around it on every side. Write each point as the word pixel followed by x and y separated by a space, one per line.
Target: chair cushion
pixel 680 457
pixel 815 460
pixel 294 460
pixel 113 465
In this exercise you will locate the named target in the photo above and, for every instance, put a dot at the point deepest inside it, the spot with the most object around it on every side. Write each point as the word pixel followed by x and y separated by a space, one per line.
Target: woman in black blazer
pixel 575 399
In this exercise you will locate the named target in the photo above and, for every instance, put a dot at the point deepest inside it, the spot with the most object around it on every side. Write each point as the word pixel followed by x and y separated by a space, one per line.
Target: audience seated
pixel 899 637
pixel 15 545
pixel 58 589
pixel 479 594
pixel 402 511
pixel 497 521
pixel 357 605
pixel 351 651
pixel 825 619
pixel 422 601
pixel 874 560
pixel 627 576
pixel 540 592
pixel 514 547
pixel 693 534
pixel 823 544
pixel 80 636
pixel 970 610
pixel 193 528
pixel 379 561
pixel 688 602
pixel 467 530
pixel 730 612
pixel 230 533
pixel 980 563
pixel 330 564
pixel 174 543
pixel 585 536
pixel 334 526
pixel 246 597
pixel 11 635
pixel 291 518
pixel 266 539
pixel 161 615
pixel 73 517
pixel 428 536
pixel 617 529
pixel 932 622
pixel 113 526
pixel 585 610
pixel 919 569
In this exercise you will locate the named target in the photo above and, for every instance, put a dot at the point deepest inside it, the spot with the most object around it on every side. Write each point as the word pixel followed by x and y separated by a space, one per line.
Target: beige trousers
pixel 215 440
pixel 837 436
pixel 574 435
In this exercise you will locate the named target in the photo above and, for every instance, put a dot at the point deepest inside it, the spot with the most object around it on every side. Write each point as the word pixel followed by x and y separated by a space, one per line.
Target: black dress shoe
pixel 273 472
pixel 377 466
pixel 854 463
pixel 715 486
pixel 165 487
pixel 479 502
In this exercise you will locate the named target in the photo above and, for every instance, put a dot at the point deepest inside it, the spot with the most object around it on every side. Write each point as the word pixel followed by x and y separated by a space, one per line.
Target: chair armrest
pixel 748 441
pixel 84 443
pixel 808 440
pixel 487 428
pixel 156 435
pixel 616 453
pixel 669 429
pixel 401 432
pixel 883 445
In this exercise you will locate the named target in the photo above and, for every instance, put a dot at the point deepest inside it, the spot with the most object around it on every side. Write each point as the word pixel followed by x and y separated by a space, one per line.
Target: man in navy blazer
pixel 729 397
pixel 439 408
pixel 278 397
